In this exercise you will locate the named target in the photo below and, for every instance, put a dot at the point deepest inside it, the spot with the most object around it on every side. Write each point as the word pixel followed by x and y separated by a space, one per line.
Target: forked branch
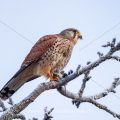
pixel 17 108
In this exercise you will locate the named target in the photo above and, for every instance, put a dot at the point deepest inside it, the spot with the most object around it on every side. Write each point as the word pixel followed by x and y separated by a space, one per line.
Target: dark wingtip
pixel 3 96
pixel 6 93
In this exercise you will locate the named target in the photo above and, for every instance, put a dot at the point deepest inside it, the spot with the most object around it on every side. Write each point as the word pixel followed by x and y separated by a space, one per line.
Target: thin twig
pixel 103 107
pixel 2 106
pixel 91 99
pixel 115 83
pixel 86 78
pixel 17 108
pixel 10 101
pixel 47 115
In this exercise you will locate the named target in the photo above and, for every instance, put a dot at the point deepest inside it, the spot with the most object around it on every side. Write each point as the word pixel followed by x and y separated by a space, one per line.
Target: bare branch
pixel 77 100
pixel 103 107
pixel 86 78
pixel 15 116
pixel 108 90
pixel 116 58
pixel 17 108
pixel 110 44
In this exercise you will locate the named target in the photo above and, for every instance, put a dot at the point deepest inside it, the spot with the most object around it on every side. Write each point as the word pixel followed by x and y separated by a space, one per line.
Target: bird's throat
pixel 74 41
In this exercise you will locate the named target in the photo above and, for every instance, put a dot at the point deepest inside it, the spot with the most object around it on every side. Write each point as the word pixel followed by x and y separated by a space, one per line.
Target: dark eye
pixel 75 33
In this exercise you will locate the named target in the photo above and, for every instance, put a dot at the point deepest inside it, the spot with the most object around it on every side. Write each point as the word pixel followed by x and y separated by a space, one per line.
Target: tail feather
pixel 10 88
pixel 21 77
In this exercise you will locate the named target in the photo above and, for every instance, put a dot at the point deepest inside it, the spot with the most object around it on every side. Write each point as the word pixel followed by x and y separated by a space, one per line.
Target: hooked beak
pixel 80 37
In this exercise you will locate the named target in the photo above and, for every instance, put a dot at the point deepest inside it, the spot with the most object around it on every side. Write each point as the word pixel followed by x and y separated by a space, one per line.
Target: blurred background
pixel 23 22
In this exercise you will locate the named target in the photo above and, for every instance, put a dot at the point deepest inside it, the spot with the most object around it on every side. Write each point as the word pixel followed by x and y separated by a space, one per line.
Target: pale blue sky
pixel 34 19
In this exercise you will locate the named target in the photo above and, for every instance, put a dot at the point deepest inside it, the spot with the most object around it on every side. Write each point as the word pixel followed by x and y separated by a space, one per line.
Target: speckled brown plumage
pixel 48 56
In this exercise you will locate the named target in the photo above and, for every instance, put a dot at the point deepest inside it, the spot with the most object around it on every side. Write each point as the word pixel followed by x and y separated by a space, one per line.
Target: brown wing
pixel 40 48
pixel 26 73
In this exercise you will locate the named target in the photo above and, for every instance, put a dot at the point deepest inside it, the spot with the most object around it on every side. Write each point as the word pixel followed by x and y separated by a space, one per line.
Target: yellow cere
pixel 78 33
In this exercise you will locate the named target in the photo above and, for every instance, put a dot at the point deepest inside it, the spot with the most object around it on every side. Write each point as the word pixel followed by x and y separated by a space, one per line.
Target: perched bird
pixel 47 57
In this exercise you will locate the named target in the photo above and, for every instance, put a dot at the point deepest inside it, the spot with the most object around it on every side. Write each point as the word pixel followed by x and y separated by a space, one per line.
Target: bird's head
pixel 72 34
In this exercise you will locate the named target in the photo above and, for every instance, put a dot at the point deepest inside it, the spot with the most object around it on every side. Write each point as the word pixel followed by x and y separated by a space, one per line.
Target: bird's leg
pixel 53 76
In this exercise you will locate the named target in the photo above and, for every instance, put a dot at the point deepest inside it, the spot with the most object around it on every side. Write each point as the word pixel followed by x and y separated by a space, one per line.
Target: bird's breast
pixel 57 56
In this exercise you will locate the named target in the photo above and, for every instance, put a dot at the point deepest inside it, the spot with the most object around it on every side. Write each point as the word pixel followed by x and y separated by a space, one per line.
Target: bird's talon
pixel 54 77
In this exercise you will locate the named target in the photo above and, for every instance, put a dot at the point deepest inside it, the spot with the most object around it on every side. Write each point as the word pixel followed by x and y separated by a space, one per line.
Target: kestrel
pixel 47 57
